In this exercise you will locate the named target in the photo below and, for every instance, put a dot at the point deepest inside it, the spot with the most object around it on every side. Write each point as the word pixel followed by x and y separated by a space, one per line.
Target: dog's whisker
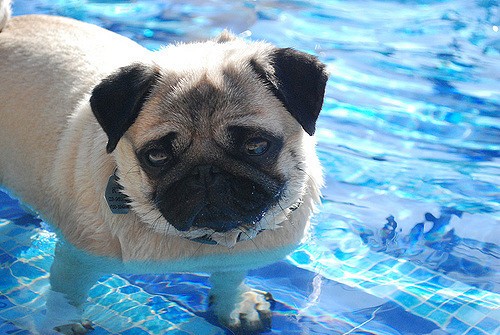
pixel 197 250
pixel 131 170
pixel 306 173
pixel 287 215
pixel 258 248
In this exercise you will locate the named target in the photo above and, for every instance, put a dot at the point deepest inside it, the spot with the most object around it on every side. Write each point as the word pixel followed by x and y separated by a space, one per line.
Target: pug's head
pixel 210 138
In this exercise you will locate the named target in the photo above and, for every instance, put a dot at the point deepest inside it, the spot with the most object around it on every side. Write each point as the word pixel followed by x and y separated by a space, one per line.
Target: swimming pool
pixel 407 239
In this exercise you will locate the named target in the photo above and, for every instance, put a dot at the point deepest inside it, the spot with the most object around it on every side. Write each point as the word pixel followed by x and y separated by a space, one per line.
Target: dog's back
pixel 48 65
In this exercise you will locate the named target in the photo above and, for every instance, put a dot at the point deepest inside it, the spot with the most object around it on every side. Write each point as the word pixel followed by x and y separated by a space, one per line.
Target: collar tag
pixel 117 201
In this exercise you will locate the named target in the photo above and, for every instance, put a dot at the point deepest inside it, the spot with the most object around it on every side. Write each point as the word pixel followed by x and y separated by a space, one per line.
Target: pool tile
pixel 367 284
pixel 426 285
pixel 482 306
pixel 421 274
pixel 7 327
pixel 158 326
pixel 419 292
pixel 406 300
pixel 383 290
pixel 381 279
pixel 22 296
pixel 449 293
pixel 469 315
pixel 99 290
pixel 138 312
pixel 335 272
pixel 140 296
pixel 198 325
pixel 441 281
pixel 392 275
pixel 437 300
pixel 8 281
pixel 18 250
pixel 175 315
pixel 475 331
pixel 476 293
pixel 29 321
pixel 40 285
pixel 118 323
pixel 440 317
pixel 14 313
pixel 352 269
pixel 98 314
pixel 43 262
pixel 101 331
pixel 355 281
pixel 30 254
pixel 178 332
pixel 8 245
pixel 25 271
pixel 423 309
pixel 392 262
pixel 302 257
pixel 379 268
pixel 489 325
pixel 124 305
pixel 450 306
pixel 457 326
pixel 157 304
pixel 129 289
pixel 37 304
pixel 135 331
pixel 5 303
pixel 116 281
pixel 108 299
pixel 22 332
pixel 5 259
pixel 492 299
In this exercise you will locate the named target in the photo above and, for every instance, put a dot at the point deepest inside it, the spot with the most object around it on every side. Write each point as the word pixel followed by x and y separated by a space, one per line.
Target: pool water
pixel 406 241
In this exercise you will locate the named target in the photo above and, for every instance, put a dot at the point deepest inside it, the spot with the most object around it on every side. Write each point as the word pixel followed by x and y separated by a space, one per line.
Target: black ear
pixel 117 100
pixel 298 81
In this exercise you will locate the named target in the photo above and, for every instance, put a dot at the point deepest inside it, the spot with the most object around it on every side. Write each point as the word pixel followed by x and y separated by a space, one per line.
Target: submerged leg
pixel 243 309
pixel 71 277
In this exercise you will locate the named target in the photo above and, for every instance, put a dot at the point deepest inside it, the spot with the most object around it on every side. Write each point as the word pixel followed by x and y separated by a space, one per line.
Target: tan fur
pixel 52 148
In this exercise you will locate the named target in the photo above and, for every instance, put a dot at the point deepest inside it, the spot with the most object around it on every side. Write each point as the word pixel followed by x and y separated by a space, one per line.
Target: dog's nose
pixel 205 174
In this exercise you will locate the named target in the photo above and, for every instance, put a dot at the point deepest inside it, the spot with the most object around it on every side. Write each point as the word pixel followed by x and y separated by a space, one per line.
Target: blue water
pixel 409 137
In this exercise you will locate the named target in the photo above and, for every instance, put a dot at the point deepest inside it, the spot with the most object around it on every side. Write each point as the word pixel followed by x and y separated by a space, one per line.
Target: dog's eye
pixel 256 146
pixel 157 157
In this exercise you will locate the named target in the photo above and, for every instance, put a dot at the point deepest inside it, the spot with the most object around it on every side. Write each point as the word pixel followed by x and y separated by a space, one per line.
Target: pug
pixel 197 157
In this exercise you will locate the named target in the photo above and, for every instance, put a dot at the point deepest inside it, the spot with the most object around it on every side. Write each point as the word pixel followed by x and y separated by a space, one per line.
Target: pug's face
pixel 212 136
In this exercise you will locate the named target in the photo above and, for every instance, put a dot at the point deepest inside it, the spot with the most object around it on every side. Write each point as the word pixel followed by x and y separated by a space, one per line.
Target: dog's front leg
pixel 243 309
pixel 71 277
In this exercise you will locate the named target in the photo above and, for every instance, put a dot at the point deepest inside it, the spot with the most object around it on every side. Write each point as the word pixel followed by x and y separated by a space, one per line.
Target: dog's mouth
pixel 209 239
pixel 208 226
pixel 242 233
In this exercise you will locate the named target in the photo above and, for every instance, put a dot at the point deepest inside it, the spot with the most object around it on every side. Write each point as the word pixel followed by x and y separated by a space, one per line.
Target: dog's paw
pixel 79 328
pixel 252 314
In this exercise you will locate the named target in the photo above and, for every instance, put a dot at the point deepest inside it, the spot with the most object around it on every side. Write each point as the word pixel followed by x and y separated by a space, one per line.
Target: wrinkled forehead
pixel 209 101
